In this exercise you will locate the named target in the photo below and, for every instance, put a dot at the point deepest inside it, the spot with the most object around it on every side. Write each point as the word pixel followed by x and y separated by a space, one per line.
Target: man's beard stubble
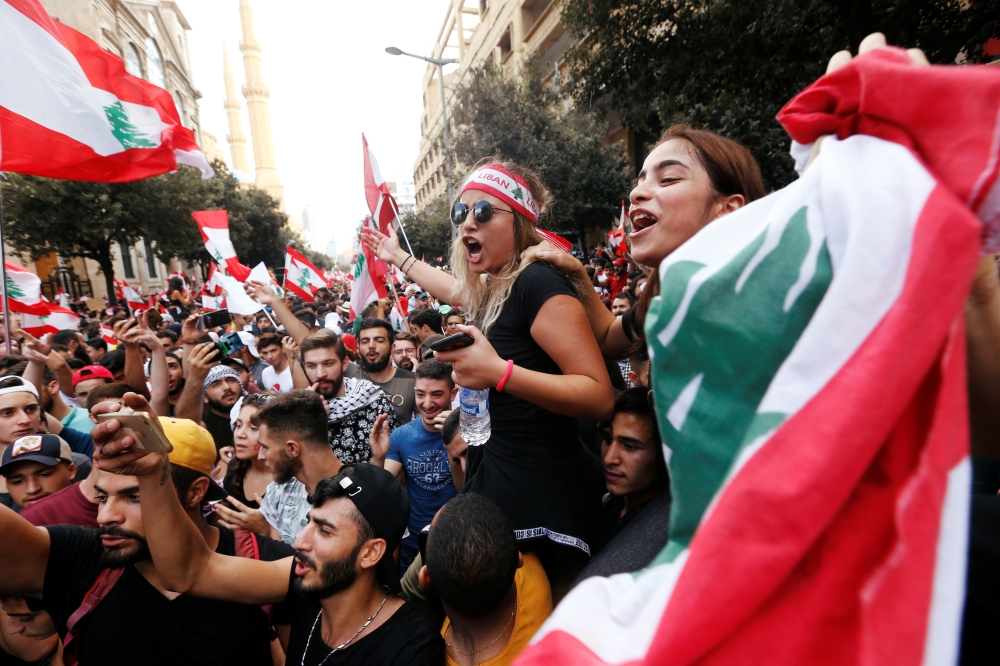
pixel 285 467
pixel 335 576
pixel 374 366
pixel 329 388
pixel 406 363
pixel 117 558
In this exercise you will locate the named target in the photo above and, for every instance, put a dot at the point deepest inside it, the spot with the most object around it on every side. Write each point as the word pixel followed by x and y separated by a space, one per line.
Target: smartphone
pixel 154 318
pixel 143 428
pixel 452 342
pixel 229 344
pixel 214 319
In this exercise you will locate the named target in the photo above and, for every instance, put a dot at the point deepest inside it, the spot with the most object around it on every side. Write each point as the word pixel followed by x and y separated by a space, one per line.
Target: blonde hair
pixel 486 300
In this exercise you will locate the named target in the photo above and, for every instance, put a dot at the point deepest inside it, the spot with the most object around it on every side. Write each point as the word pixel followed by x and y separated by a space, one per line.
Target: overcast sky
pixel 330 80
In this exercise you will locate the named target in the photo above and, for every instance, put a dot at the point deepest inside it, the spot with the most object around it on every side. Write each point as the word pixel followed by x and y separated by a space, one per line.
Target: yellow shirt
pixel 534 605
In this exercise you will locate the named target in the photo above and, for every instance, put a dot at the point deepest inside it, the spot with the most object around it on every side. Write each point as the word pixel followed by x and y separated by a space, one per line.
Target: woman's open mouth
pixel 641 220
pixel 473 250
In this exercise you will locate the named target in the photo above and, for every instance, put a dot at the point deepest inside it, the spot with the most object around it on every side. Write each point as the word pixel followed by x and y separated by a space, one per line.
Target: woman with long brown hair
pixel 689 179
pixel 535 351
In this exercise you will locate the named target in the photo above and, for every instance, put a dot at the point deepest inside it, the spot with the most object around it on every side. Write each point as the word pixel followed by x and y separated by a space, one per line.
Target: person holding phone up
pixel 534 349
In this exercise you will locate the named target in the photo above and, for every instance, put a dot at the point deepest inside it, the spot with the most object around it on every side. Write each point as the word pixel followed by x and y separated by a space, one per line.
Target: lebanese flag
pixel 125 292
pixel 380 202
pixel 369 284
pixel 108 335
pixel 213 286
pixel 214 227
pixel 809 374
pixel 57 319
pixel 301 277
pixel 68 109
pixel 24 290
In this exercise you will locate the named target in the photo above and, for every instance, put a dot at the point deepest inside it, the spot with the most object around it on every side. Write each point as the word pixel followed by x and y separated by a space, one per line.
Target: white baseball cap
pixel 249 343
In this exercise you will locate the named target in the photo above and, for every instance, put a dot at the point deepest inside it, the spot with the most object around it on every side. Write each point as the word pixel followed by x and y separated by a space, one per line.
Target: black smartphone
pixel 452 342
pixel 153 318
pixel 214 319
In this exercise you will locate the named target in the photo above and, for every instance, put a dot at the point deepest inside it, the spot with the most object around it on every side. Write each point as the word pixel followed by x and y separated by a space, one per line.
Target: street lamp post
pixel 440 62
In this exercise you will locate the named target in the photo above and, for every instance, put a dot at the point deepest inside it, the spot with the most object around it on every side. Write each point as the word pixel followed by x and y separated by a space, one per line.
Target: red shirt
pixel 65 507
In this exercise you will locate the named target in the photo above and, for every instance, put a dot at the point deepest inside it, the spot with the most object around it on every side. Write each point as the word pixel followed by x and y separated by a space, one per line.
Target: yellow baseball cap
pixel 194 449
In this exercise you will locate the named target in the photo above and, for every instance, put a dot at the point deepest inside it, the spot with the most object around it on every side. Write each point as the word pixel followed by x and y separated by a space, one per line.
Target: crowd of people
pixel 319 503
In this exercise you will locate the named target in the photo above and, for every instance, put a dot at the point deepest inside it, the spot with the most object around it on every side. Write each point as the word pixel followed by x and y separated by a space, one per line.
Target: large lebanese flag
pixel 380 201
pixel 68 109
pixel 302 278
pixel 808 366
pixel 58 319
pixel 214 228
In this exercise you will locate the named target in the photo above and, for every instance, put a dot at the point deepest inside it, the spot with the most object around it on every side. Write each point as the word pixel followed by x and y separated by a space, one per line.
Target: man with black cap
pixel 342 591
pixel 103 589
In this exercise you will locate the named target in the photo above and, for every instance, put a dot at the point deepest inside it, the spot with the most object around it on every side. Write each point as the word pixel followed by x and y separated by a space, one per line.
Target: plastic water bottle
pixel 475 418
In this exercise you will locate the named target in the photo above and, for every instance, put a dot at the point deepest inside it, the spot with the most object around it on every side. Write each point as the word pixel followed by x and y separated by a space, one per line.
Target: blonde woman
pixel 535 351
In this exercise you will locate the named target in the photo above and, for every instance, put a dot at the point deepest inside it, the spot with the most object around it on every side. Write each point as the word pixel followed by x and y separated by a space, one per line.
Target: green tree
pixel 516 117
pixel 730 66
pixel 429 231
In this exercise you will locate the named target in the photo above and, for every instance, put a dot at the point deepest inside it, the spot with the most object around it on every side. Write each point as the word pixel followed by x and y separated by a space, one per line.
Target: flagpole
pixel 3 270
pixel 401 227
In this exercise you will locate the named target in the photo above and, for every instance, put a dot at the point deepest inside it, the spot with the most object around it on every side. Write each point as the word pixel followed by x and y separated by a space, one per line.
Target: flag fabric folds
pixel 56 319
pixel 380 201
pixel 68 108
pixel 24 290
pixel 368 281
pixel 302 278
pixel 808 365
pixel 126 293
pixel 214 227
pixel 618 237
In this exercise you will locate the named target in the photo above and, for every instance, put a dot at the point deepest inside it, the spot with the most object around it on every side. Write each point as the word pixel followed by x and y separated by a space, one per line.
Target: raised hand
pixel 260 292
pixel 33 348
pixel 378 440
pixel 384 247
pixel 118 457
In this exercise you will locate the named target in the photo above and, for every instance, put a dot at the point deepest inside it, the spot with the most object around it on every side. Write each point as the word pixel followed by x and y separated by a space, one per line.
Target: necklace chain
pixel 469 654
pixel 348 641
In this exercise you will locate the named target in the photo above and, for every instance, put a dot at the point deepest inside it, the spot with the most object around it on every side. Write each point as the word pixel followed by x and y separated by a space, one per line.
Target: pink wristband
pixel 506 375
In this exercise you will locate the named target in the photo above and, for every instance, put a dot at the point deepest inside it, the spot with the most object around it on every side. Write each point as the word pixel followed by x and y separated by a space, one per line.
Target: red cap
pixel 92 372
pixel 350 343
pixel 620 262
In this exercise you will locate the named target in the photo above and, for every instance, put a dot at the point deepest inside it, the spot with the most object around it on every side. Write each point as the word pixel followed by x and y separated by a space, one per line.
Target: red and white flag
pixel 68 108
pixel 809 375
pixel 57 319
pixel 214 227
pixel 368 281
pixel 213 286
pixel 380 201
pixel 302 278
pixel 24 290
pixel 108 335
pixel 618 237
pixel 125 292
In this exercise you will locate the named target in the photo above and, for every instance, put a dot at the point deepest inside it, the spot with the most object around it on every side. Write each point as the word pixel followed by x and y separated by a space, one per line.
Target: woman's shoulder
pixel 541 275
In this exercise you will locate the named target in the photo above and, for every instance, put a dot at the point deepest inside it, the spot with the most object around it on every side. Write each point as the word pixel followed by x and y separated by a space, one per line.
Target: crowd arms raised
pixel 184 562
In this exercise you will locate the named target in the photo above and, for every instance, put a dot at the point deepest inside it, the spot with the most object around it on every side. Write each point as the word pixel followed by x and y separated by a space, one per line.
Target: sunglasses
pixel 481 212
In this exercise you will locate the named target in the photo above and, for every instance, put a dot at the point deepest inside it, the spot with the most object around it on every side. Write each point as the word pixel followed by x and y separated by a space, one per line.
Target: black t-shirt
pixel 534 466
pixel 135 624
pixel 218 427
pixel 407 638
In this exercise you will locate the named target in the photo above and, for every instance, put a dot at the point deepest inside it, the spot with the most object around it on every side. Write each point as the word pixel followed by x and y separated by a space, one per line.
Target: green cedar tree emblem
pixel 13 291
pixel 127 134
pixel 518 194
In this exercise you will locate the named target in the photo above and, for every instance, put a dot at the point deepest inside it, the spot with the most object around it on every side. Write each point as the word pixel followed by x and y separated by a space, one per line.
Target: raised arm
pixel 196 366
pixel 158 374
pixel 126 331
pixel 184 562
pixel 607 328
pixel 560 328
pixel 24 555
pixel 266 296
pixel 438 283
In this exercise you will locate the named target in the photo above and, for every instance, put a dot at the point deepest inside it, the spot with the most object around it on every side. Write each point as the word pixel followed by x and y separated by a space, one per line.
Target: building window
pixel 154 63
pixel 179 103
pixel 127 263
pixel 150 261
pixel 484 5
pixel 133 64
